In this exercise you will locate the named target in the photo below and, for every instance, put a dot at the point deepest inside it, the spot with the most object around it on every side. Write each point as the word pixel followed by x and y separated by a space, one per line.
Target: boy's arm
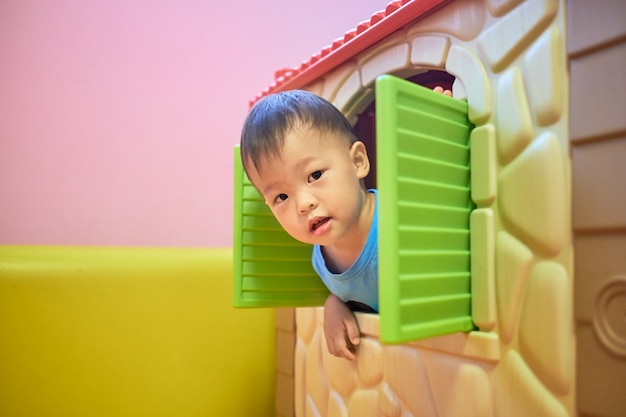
pixel 340 328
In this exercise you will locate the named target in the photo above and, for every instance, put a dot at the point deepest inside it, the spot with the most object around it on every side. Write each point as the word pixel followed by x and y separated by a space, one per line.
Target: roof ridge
pixel 381 23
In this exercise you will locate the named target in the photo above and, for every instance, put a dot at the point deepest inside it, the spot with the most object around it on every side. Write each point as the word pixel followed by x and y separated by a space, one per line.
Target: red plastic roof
pixel 397 14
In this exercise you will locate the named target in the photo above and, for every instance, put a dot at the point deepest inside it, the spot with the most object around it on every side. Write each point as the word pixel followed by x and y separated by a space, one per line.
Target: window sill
pixel 479 345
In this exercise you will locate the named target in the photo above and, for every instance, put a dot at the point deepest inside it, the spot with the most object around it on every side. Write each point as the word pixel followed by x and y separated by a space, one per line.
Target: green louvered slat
pixel 428 192
pixel 433 147
pixel 432 238
pixel 270 268
pixel 285 285
pixel 434 216
pixel 425 203
pixel 434 285
pixel 439 172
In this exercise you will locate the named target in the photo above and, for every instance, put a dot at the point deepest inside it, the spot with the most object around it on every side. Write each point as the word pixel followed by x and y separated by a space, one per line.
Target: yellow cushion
pixel 88 331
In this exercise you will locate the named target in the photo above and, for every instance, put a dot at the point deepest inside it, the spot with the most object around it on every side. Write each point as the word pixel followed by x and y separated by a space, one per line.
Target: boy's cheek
pixel 283 221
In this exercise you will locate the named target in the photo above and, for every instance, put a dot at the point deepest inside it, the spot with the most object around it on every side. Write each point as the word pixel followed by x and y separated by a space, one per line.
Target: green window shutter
pixel 270 268
pixel 422 146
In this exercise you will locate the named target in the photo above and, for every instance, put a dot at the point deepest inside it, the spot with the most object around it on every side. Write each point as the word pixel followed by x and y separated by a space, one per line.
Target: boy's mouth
pixel 317 223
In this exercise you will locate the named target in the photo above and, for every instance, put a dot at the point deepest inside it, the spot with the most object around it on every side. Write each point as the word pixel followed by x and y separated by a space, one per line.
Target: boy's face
pixel 314 187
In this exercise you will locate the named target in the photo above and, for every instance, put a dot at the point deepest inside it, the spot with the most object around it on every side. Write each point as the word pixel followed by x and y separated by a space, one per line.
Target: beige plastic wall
pixel 596 45
pixel 510 61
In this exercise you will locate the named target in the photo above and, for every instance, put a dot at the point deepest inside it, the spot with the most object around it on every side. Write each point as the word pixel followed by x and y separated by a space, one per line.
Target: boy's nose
pixel 306 203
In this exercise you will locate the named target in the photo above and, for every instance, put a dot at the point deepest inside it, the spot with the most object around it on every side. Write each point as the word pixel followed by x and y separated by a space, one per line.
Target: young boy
pixel 300 153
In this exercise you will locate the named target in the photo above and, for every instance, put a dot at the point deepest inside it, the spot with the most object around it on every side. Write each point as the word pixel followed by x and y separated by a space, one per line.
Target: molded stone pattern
pixel 509 60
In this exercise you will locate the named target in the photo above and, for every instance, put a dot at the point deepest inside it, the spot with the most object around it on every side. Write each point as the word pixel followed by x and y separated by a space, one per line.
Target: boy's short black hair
pixel 274 116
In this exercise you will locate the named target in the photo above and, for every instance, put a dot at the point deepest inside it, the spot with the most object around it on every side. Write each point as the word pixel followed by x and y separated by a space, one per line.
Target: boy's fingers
pixel 345 352
pixel 352 338
pixel 353 334
pixel 334 347
pixel 339 347
pixel 439 89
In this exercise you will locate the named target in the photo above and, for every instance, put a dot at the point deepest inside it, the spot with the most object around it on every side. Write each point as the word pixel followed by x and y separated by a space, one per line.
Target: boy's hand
pixel 341 329
pixel 440 90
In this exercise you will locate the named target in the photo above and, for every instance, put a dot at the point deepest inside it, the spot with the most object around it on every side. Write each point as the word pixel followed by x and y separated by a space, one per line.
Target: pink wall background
pixel 118 118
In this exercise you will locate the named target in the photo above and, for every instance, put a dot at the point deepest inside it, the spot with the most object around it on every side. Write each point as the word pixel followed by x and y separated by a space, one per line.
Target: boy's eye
pixel 315 176
pixel 281 197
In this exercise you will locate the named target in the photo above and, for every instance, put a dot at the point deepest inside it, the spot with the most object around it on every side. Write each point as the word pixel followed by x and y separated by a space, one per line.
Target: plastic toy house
pixel 496 247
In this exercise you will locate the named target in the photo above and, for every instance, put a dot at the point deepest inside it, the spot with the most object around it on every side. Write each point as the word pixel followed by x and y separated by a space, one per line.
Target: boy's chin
pixel 312 240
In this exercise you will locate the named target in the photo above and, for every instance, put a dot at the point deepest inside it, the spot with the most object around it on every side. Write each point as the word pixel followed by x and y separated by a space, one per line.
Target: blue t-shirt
pixel 359 282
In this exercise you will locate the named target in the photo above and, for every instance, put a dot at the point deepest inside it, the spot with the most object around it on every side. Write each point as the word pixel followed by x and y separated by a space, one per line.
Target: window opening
pixel 365 126
pixel 424 282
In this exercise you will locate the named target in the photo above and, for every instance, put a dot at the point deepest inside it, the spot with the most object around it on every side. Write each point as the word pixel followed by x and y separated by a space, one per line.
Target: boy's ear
pixel 360 161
